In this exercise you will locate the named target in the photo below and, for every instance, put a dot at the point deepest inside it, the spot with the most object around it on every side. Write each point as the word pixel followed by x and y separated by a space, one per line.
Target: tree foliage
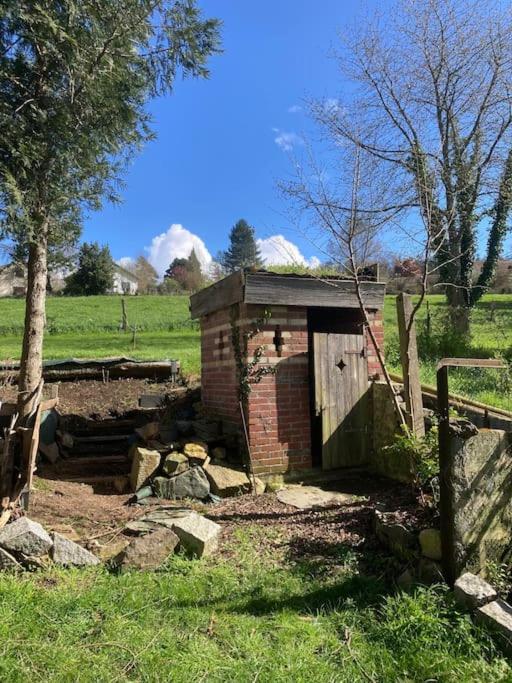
pixel 146 275
pixel 95 271
pixel 243 252
pixel 186 272
pixel 75 78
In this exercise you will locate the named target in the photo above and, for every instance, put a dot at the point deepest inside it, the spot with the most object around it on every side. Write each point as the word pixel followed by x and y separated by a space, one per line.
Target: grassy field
pixel 246 619
pixel 90 327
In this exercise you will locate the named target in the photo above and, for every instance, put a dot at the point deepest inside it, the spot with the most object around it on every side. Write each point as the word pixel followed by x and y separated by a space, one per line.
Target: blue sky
pixel 220 145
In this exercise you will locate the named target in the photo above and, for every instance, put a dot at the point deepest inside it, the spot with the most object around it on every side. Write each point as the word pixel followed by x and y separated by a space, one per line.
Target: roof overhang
pixel 275 289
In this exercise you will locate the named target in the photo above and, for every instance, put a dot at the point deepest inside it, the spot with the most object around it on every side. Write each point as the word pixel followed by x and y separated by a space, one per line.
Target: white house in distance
pixel 124 281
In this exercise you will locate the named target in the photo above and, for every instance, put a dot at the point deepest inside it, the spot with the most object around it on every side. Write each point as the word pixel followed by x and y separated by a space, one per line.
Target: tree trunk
pixel 31 367
pixel 459 311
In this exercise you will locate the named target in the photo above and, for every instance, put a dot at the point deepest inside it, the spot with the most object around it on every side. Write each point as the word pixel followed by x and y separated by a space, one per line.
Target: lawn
pixel 246 618
pixel 90 327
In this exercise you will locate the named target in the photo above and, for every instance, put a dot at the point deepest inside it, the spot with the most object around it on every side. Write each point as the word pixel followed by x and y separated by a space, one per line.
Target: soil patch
pixel 98 400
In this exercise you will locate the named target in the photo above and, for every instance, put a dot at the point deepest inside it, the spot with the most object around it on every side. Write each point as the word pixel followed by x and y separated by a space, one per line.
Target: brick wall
pixel 278 406
pixel 219 385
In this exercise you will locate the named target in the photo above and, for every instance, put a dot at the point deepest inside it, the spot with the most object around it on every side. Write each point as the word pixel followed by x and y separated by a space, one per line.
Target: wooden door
pixel 341 395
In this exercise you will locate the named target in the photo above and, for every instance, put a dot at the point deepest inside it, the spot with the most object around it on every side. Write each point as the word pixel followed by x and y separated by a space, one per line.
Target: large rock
pixel 402 542
pixel 310 497
pixel 108 551
pixel 25 536
pixel 149 551
pixel 225 482
pixel 70 554
pixel 198 535
pixel 175 463
pixel 196 452
pixel 149 431
pixel 145 463
pixel 8 562
pixel 498 616
pixel 430 542
pixel 190 484
pixel 471 591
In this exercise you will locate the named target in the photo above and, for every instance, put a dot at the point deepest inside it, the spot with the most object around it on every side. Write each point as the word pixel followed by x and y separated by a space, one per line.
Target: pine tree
pixel 95 272
pixel 243 251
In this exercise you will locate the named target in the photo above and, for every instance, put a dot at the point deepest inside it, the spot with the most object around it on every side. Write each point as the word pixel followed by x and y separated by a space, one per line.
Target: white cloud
pixel 277 250
pixel 294 109
pixel 331 105
pixel 126 262
pixel 287 140
pixel 177 242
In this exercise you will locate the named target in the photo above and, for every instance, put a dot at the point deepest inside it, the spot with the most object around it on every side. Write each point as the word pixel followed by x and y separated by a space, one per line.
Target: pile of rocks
pixel 25 544
pixel 145 544
pixel 175 463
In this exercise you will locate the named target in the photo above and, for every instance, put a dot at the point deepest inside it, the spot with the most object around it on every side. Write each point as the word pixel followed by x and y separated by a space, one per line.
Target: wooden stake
pixel 410 365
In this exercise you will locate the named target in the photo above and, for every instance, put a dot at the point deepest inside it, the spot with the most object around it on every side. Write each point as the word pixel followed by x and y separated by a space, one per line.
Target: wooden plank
pixel 34 445
pixel 221 294
pixel 471 363
pixel 261 288
pixel 410 365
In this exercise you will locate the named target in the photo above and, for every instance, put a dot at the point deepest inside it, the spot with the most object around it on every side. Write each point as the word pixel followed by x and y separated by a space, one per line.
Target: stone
pixel 498 616
pixel 190 484
pixel 8 562
pixel 258 486
pixel 308 497
pixel 121 483
pixel 145 463
pixel 175 463
pixel 206 430
pixel 429 572
pixel 402 542
pixel 198 535
pixel 225 481
pixel 462 428
pixel 471 591
pixel 69 554
pixel 148 431
pixel 151 400
pixel 66 439
pixel 65 530
pixel 109 551
pixel 149 551
pixel 25 536
pixel 219 453
pixel 196 451
pixel 430 543
pixel 406 580
pixel 50 451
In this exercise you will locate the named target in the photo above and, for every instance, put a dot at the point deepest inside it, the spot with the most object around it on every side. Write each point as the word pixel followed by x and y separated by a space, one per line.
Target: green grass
pixel 84 327
pixel 246 619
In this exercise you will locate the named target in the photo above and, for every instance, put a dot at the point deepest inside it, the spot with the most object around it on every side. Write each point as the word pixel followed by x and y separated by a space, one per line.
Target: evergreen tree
pixel 186 272
pixel 243 251
pixel 95 272
pixel 75 80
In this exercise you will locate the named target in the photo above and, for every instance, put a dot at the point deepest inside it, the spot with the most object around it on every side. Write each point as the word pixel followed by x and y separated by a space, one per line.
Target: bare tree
pixel 431 103
pixel 330 203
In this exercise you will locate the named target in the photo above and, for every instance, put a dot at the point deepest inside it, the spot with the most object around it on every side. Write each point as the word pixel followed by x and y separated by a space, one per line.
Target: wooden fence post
pixel 410 366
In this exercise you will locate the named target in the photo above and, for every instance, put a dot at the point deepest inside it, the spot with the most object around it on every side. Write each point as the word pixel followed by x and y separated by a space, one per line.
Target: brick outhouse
pixel 293 349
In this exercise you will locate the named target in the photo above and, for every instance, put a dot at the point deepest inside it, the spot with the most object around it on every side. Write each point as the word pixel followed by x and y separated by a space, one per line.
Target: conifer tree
pixel 95 272
pixel 243 251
